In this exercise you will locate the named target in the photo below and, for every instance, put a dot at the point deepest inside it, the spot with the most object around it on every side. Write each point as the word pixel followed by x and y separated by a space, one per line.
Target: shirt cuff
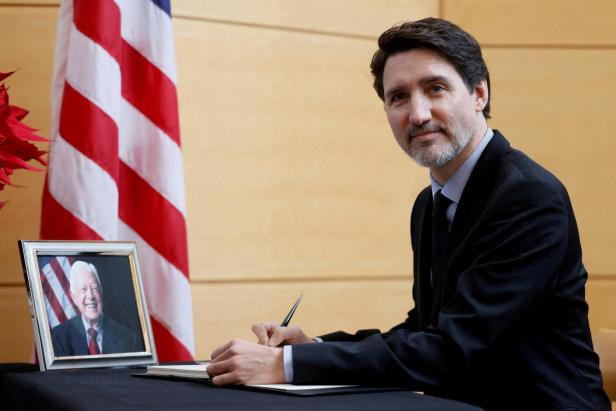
pixel 318 339
pixel 287 360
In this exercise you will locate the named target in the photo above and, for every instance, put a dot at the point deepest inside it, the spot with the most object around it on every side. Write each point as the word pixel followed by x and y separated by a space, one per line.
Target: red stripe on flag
pixel 155 219
pixel 139 76
pixel 87 128
pixel 53 300
pixel 63 280
pixel 101 22
pixel 168 348
pixel 60 224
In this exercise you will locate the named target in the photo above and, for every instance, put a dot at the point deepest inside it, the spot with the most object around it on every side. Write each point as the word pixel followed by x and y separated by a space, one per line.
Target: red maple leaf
pixel 16 149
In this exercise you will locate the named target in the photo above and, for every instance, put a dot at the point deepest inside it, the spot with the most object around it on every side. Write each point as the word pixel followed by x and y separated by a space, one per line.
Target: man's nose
pixel 420 111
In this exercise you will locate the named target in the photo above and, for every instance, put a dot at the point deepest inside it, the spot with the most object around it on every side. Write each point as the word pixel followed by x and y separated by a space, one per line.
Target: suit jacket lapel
pixel 109 337
pixel 422 232
pixel 476 193
pixel 78 338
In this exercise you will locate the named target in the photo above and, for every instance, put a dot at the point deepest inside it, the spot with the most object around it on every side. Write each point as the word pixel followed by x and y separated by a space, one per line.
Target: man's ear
pixel 481 95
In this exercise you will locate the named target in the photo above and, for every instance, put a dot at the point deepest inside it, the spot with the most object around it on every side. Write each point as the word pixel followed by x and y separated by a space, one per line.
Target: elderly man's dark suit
pixel 69 338
pixel 505 326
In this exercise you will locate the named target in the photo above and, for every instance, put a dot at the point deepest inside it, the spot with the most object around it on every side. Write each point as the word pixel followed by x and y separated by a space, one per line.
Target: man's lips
pixel 424 136
pixel 424 133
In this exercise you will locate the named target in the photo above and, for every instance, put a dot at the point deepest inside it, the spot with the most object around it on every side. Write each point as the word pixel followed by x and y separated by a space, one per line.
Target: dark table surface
pixel 23 387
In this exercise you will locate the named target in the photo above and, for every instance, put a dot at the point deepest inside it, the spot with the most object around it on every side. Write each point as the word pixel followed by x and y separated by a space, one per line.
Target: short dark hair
pixel 449 40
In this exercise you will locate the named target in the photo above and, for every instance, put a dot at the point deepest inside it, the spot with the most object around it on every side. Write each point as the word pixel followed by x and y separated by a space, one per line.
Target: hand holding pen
pixel 274 334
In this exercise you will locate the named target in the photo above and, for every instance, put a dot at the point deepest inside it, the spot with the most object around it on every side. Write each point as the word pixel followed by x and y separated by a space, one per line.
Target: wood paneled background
pixel 294 183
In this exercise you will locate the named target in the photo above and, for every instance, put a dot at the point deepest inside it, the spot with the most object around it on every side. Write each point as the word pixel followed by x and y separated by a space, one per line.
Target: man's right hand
pixel 273 335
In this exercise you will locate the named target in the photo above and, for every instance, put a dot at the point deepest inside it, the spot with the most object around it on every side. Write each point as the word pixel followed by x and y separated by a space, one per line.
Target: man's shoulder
pixel 109 324
pixel 66 327
pixel 512 167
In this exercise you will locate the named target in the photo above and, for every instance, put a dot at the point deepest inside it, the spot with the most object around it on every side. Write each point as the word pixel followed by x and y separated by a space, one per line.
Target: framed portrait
pixel 87 304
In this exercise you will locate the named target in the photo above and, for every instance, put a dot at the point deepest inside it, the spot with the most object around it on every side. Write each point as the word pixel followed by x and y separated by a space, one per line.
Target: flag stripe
pixel 62 278
pixel 96 201
pixel 59 223
pixel 90 130
pixel 153 155
pixel 165 286
pixel 152 37
pixel 146 221
pixel 138 76
pixel 55 273
pixel 51 315
pixel 53 300
pixel 166 339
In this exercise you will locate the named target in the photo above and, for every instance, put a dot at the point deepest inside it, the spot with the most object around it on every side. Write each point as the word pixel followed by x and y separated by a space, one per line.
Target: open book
pixel 199 372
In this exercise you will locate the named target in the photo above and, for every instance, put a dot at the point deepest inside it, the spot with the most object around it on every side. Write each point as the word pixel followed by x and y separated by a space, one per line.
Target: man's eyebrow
pixel 433 79
pixel 393 91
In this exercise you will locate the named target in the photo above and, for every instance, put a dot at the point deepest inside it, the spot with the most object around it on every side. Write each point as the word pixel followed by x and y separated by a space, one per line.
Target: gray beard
pixel 428 158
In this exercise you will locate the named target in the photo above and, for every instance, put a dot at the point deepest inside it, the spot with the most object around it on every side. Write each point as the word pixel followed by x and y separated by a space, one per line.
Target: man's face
pixel 87 296
pixel 429 108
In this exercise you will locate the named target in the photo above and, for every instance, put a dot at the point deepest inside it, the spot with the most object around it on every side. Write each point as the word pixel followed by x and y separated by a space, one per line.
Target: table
pixel 23 387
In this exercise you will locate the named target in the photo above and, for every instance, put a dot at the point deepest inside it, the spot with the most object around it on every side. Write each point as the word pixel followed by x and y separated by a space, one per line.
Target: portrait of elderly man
pixel 90 332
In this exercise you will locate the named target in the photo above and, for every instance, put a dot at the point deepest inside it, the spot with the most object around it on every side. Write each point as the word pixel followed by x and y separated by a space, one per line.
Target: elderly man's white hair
pixel 82 265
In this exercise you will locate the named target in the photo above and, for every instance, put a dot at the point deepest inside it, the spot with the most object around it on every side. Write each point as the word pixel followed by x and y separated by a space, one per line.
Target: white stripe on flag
pixel 51 315
pixel 96 201
pixel 101 83
pixel 153 155
pixel 152 36
pixel 167 290
pixel 55 285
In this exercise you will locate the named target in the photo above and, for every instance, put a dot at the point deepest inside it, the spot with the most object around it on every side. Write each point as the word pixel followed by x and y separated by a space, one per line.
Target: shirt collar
pixel 98 327
pixel 454 187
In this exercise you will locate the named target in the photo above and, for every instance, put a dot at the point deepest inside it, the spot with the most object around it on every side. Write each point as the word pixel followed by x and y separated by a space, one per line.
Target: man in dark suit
pixel 90 332
pixel 500 318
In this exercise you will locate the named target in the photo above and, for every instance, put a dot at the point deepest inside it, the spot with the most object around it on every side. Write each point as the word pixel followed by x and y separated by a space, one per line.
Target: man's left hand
pixel 242 362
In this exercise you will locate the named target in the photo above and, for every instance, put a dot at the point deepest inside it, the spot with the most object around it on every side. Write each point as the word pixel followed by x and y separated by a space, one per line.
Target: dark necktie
pixel 440 233
pixel 92 345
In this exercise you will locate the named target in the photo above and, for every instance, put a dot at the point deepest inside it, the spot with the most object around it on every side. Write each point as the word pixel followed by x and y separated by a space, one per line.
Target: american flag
pixel 115 162
pixel 55 281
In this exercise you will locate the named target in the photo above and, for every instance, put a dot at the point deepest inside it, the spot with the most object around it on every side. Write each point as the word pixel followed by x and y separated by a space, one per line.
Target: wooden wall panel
pixel 16 338
pixel 291 169
pixel 351 17
pixel 558 106
pixel 223 311
pixel 28 37
pixel 531 22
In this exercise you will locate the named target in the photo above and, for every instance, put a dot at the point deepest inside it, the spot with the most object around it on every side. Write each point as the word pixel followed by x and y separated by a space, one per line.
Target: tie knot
pixel 439 209
pixel 92 333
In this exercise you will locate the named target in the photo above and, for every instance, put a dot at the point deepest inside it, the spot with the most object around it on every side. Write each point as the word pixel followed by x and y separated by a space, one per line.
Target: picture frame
pixel 87 304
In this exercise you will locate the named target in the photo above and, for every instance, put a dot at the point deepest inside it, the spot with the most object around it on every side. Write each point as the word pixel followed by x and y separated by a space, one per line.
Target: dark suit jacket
pixel 69 338
pixel 507 327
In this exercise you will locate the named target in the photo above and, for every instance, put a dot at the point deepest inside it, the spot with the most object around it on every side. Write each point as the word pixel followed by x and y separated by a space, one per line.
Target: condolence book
pixel 199 372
